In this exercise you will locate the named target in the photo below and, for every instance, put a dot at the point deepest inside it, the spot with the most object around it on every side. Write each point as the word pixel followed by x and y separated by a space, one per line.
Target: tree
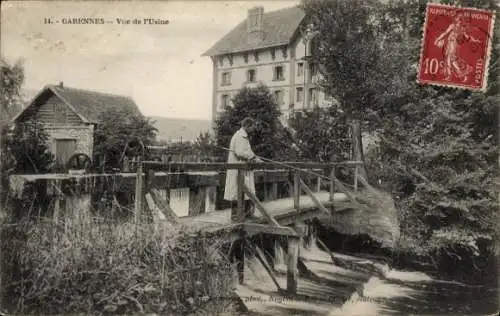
pixel 205 145
pixel 439 146
pixel 28 147
pixel 271 140
pixel 321 134
pixel 23 149
pixel 347 50
pixel 121 133
pixel 12 79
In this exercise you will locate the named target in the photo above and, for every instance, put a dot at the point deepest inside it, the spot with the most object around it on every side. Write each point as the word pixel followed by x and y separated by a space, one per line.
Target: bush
pixel 112 269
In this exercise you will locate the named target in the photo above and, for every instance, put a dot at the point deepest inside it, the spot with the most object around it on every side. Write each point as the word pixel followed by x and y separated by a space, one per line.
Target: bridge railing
pixel 296 169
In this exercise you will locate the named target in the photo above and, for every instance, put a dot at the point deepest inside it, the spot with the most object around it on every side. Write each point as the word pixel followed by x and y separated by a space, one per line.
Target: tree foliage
pixel 12 79
pixel 438 146
pixel 321 134
pixel 23 148
pixel 205 146
pixel 270 140
pixel 28 148
pixel 121 133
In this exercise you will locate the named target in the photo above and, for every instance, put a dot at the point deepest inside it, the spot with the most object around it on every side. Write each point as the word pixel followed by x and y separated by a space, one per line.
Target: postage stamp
pixel 456 47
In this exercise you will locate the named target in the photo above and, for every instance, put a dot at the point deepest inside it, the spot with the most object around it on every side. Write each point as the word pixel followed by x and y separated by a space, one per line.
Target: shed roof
pixel 279 29
pixel 87 104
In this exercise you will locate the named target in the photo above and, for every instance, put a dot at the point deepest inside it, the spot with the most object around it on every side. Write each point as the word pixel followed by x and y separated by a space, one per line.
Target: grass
pixel 97 267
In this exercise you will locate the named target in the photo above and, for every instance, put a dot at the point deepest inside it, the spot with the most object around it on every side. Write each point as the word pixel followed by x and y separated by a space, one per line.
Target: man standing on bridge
pixel 241 151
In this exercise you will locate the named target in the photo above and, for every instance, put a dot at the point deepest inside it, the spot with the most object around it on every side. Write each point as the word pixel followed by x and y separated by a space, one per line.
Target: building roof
pixel 88 105
pixel 279 28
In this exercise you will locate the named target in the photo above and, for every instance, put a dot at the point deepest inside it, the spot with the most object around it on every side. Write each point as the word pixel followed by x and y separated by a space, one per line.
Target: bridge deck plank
pixel 281 209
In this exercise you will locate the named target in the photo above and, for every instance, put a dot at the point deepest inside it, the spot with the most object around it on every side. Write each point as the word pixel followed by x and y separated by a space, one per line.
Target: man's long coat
pixel 240 151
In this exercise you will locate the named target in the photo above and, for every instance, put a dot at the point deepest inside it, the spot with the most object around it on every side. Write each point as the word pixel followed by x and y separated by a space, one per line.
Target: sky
pixel 160 66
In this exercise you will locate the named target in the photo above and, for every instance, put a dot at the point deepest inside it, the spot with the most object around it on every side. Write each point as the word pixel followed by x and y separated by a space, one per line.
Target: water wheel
pixel 79 161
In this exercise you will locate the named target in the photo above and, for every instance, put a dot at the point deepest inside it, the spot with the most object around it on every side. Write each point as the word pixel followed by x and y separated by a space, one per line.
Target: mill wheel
pixel 79 161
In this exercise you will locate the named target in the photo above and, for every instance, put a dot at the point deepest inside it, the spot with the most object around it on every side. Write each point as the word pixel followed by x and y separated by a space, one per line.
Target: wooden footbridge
pixel 281 217
pixel 314 191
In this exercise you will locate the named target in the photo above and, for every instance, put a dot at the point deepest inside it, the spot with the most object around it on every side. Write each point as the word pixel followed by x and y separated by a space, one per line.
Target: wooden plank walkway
pixel 282 210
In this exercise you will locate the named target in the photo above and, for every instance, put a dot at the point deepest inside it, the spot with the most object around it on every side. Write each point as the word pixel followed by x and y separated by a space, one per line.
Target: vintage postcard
pixel 293 157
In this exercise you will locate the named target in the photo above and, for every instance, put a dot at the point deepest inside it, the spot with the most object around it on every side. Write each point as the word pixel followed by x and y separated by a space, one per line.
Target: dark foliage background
pixel 120 134
pixel 271 139
pixel 438 147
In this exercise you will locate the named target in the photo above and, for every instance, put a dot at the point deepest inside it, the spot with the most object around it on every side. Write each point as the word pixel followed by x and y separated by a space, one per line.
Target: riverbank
pixel 464 266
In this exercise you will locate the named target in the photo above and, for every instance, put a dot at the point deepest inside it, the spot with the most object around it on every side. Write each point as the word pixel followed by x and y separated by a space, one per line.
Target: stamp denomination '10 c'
pixel 456 47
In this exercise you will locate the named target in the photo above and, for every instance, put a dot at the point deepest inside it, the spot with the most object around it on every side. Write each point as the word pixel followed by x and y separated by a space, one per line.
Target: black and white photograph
pixel 250 158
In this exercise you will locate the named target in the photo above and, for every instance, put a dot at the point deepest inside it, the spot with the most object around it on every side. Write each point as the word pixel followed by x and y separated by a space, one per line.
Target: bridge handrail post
pixel 356 172
pixel 296 190
pixel 139 189
pixel 241 193
pixel 332 182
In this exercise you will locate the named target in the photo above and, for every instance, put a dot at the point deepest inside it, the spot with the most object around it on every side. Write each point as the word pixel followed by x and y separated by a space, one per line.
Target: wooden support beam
pixel 241 197
pixel 263 260
pixel 296 190
pixel 155 210
pixel 272 191
pixel 252 229
pixel 318 184
pixel 356 171
pixel 332 183
pixel 237 255
pixel 164 207
pixel 292 270
pixel 344 190
pixel 214 166
pixel 139 188
pixel 327 250
pixel 313 197
pixel 363 181
pixel 357 148
pixel 270 219
pixel 303 215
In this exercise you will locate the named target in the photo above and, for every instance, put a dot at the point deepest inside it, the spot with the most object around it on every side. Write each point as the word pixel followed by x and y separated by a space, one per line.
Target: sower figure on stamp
pixel 450 40
pixel 241 151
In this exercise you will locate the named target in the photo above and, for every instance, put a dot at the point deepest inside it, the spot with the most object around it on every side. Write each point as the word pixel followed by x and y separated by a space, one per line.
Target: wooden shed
pixel 69 116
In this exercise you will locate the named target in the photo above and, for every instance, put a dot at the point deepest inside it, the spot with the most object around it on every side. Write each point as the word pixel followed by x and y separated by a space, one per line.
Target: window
pixel 224 100
pixel 226 78
pixel 278 73
pixel 251 75
pixel 312 71
pixel 300 94
pixel 312 95
pixel 300 69
pixel 278 96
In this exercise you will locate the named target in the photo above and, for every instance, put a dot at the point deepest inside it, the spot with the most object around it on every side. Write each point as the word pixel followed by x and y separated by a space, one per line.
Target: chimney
pixel 61 84
pixel 255 25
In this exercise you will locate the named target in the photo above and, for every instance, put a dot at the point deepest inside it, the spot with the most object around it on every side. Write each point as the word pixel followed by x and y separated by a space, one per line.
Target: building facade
pixel 270 49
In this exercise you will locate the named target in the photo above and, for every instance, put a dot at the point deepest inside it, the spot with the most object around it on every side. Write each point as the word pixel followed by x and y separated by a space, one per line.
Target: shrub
pixel 112 269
